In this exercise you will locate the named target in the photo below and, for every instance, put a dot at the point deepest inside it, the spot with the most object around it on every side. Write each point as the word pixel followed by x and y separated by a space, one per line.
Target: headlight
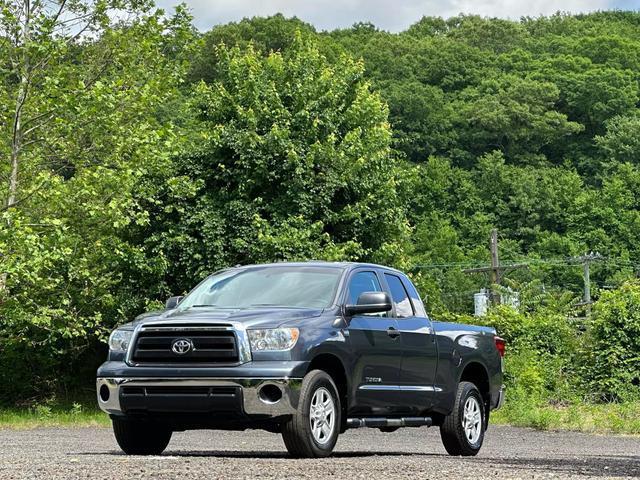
pixel 273 339
pixel 119 340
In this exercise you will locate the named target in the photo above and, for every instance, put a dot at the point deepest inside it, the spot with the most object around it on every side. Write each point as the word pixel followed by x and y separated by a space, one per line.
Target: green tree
pixel 511 114
pixel 293 162
pixel 265 35
pixel 93 125
pixel 621 142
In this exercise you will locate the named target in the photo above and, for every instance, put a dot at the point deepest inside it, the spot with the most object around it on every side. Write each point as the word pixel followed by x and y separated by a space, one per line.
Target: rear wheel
pixel 462 431
pixel 313 430
pixel 141 438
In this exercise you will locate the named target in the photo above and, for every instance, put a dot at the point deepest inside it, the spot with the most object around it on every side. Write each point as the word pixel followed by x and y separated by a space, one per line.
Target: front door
pixel 377 351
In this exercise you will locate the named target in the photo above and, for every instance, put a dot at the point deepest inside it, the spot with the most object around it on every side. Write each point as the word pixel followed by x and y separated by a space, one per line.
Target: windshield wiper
pixel 203 305
pixel 269 305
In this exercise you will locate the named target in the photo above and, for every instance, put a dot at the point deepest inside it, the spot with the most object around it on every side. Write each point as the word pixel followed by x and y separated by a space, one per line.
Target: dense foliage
pixel 95 118
pixel 150 155
pixel 293 161
pixel 613 365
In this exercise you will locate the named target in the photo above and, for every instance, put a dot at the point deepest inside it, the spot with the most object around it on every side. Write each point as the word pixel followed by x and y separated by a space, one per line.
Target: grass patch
pixel 618 418
pixel 75 415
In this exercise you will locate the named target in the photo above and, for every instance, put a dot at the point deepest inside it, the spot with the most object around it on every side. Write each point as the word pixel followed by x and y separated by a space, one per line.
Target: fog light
pixel 104 393
pixel 270 394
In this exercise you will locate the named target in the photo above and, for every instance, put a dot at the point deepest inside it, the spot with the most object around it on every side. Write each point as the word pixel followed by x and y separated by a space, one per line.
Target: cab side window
pixel 362 282
pixel 400 297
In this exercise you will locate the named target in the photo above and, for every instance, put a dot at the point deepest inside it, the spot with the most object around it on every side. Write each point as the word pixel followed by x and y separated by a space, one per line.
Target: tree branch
pixel 57 15
pixel 36 126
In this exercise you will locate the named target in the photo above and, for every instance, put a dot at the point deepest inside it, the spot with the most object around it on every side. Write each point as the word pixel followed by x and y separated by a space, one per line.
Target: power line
pixel 569 262
pixel 448 265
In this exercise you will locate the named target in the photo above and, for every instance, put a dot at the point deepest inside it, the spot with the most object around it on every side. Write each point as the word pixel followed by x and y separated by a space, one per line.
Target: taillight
pixel 500 345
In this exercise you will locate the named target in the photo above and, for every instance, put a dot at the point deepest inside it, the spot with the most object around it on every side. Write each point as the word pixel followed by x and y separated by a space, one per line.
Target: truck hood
pixel 270 317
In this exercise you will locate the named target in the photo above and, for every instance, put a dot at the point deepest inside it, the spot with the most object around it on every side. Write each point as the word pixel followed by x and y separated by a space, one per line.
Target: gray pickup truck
pixel 307 350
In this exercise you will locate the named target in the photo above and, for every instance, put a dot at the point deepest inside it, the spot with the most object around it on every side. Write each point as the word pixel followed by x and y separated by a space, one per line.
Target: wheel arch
pixel 334 366
pixel 476 373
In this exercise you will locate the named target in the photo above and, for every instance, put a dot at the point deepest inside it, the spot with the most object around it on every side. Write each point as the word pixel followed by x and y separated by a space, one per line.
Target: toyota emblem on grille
pixel 181 346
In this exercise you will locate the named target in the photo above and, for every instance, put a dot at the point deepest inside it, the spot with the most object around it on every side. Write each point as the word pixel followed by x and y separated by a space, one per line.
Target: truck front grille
pixel 206 346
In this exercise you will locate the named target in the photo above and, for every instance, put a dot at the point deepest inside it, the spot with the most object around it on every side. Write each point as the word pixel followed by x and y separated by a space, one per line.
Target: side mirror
pixel 369 302
pixel 173 302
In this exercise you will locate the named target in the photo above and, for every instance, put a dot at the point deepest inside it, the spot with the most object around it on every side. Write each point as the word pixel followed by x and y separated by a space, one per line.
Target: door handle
pixel 393 333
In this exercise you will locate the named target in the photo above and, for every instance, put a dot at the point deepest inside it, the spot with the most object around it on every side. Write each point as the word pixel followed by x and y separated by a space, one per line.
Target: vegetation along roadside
pixel 150 154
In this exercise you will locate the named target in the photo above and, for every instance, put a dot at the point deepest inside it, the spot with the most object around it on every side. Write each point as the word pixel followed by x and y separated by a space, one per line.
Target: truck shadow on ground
pixel 587 465
pixel 262 454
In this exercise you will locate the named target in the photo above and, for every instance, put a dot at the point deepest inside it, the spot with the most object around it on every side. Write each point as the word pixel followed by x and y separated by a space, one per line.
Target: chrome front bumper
pixel 108 392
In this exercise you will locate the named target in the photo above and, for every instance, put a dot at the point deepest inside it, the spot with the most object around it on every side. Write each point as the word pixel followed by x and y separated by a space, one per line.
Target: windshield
pixel 286 286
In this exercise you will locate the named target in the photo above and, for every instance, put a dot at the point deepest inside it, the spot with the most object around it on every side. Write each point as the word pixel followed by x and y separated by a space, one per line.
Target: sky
pixel 385 14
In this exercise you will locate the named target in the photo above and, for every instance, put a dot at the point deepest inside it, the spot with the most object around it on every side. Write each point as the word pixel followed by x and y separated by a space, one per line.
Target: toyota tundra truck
pixel 307 350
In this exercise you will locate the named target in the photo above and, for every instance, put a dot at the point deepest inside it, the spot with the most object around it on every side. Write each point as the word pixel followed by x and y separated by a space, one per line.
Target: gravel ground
pixel 71 453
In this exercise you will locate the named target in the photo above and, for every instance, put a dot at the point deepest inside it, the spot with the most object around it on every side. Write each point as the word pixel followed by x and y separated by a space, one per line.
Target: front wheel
pixel 141 438
pixel 313 430
pixel 462 431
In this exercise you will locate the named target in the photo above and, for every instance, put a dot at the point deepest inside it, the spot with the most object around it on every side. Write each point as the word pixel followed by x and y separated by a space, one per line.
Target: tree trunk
pixel 16 143
pixel 23 88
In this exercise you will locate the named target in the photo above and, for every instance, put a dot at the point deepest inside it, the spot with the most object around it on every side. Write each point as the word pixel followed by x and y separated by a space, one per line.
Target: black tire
pixel 297 433
pixel 141 438
pixel 452 431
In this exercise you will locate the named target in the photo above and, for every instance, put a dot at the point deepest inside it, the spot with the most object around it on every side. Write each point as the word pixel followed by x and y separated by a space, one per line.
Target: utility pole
pixel 495 266
pixel 587 284
pixel 496 270
pixel 586 261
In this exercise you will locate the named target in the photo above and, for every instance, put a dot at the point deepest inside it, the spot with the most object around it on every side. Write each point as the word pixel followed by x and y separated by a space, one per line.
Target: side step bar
pixel 377 422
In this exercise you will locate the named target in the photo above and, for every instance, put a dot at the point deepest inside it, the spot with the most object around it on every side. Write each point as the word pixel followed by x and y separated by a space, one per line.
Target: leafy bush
pixel 542 347
pixel 613 367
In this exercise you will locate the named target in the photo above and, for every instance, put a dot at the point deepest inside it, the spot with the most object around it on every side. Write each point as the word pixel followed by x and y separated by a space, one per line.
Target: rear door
pixel 420 353
pixel 377 351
